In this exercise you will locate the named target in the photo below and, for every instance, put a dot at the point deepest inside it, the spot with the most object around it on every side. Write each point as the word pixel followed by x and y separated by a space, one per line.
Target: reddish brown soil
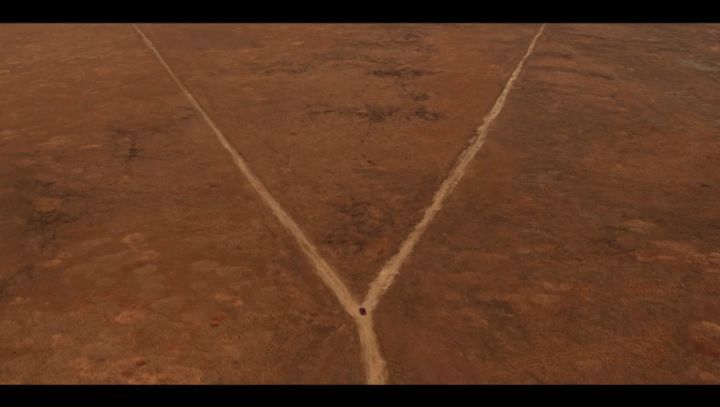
pixel 581 246
pixel 133 250
pixel 352 127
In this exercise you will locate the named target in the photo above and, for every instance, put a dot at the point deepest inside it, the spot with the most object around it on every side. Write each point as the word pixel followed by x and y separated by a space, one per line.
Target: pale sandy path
pixel 391 269
pixel 376 372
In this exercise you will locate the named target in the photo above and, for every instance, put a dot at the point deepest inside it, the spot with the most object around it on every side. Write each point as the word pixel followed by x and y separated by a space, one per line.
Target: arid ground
pixel 507 203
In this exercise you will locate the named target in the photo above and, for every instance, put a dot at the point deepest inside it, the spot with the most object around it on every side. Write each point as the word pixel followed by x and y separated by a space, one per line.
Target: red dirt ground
pixel 353 127
pixel 581 246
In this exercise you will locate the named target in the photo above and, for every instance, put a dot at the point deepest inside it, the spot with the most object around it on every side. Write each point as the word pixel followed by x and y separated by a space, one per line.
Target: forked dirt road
pixel 581 245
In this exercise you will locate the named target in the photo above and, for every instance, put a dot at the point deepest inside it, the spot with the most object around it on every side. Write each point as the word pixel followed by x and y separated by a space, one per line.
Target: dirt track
pixel 582 245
